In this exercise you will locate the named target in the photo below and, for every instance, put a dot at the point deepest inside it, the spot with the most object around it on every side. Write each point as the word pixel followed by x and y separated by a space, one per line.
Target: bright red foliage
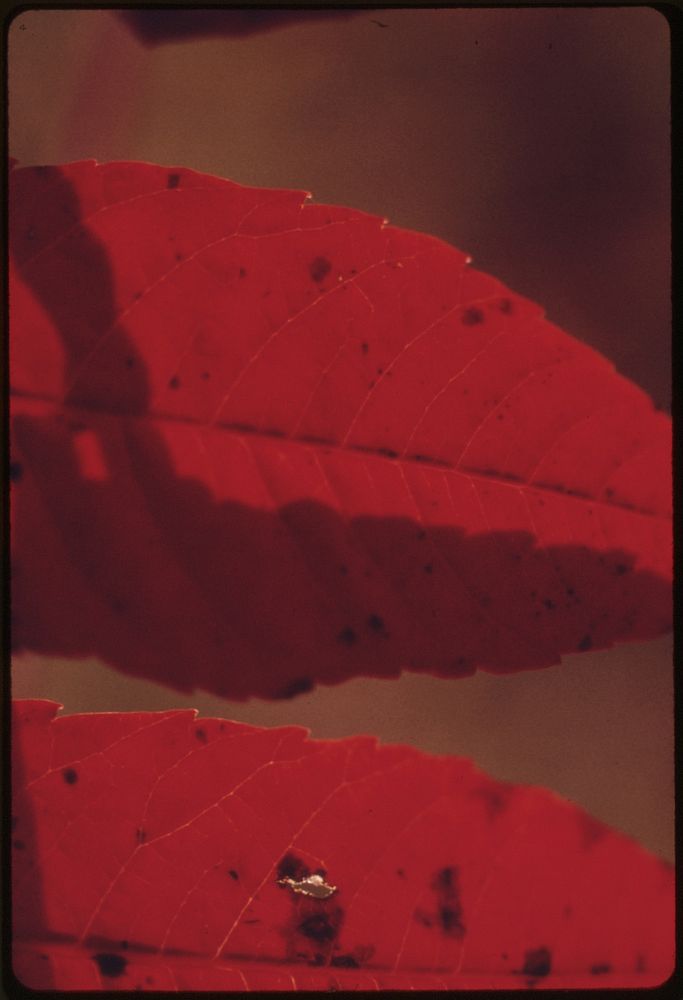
pixel 260 444
pixel 149 847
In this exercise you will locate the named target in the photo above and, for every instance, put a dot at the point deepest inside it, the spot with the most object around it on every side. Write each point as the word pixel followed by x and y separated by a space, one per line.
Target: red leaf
pixel 153 850
pixel 260 444
pixel 156 26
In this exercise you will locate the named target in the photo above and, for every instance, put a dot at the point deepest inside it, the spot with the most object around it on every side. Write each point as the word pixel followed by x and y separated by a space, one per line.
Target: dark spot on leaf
pixel 16 471
pixel 537 962
pixel 347 961
pixel 140 835
pixel 205 376
pixel 380 371
pixel 449 910
pixel 292 867
pixel 321 927
pixel 123 944
pixel 423 918
pixel 375 623
pixel 174 382
pixel 421 535
pixel 18 844
pixel 233 874
pixel 586 643
pixel 620 569
pixel 130 362
pixel 472 316
pixel 600 969
pixel 400 873
pixel 109 965
pixel 428 568
pixel 641 964
pixel 173 181
pixel 295 687
pixel 70 776
pixel 149 980
pixel 200 735
pixel 449 918
pixel 495 800
pixel 344 570
pixel 500 416
pixel 364 348
pixel 319 268
pixel 137 296
pixel 550 605
pixel 388 452
pixel 347 636
pixel 243 272
pixel 505 306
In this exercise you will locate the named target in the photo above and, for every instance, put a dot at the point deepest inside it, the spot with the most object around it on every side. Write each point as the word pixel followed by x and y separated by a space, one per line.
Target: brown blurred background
pixel 537 140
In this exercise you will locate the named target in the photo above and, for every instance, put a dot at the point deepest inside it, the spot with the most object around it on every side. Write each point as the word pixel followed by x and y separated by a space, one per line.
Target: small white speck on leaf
pixel 312 885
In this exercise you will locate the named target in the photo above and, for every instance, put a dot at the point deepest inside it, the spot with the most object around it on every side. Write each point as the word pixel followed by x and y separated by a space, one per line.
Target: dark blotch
pixel 319 268
pixel 319 927
pixel 347 961
pixel 70 776
pixel 233 874
pixel 16 471
pixel 537 962
pixel 547 603
pixel 450 920
pixel 19 845
pixel 243 272
pixel 400 873
pixel 601 969
pixel 505 306
pixel 586 643
pixel 140 835
pixel 428 568
pixel 124 945
pixel 295 687
pixel 292 867
pixel 620 569
pixel 109 965
pixel 174 383
pixel 425 919
pixel 375 623
pixel 173 180
pixel 472 316
pixel 179 256
pixel 389 452
pixel 205 376
pixel 364 348
pixel 449 909
pixel 200 735
pixel 130 362
pixel 347 636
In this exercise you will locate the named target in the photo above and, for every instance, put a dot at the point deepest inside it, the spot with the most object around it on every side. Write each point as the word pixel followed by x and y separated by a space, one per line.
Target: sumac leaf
pixel 152 851
pixel 260 444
